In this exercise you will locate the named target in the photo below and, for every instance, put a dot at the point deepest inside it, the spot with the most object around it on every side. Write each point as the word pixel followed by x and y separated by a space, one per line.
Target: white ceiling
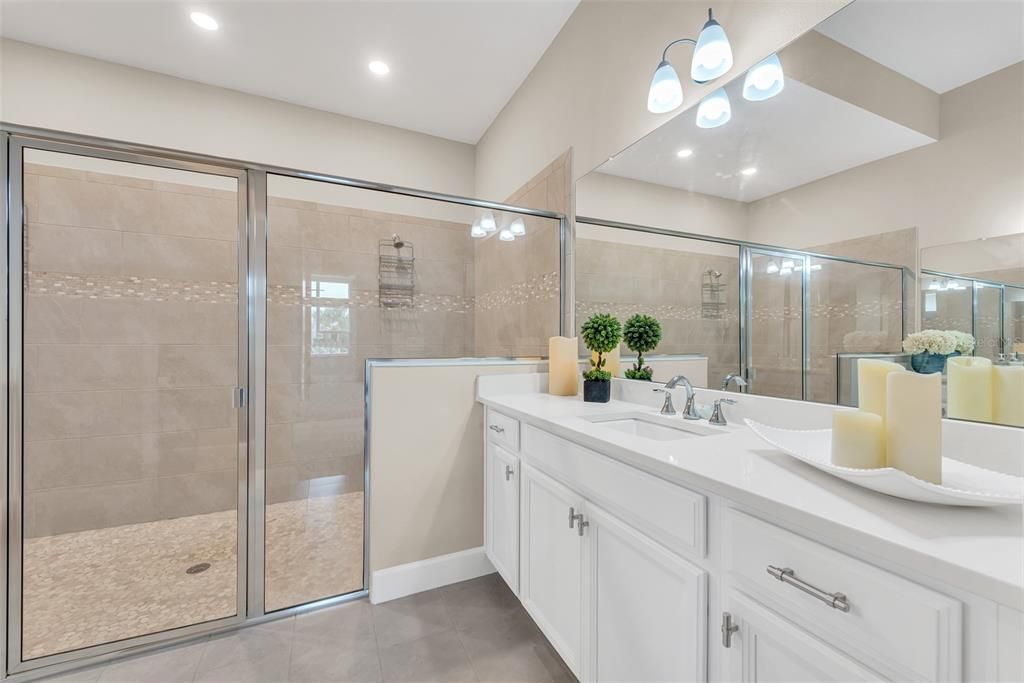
pixel 941 44
pixel 454 63
pixel 796 137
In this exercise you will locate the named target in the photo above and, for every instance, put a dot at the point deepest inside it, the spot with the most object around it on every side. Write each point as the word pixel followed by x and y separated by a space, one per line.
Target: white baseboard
pixel 416 577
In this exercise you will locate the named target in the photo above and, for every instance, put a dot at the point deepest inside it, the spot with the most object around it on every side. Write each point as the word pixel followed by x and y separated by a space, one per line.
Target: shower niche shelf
pixel 396 274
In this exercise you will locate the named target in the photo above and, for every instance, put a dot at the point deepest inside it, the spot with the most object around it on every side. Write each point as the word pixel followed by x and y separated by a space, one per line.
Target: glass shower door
pixel 128 466
pixel 775 305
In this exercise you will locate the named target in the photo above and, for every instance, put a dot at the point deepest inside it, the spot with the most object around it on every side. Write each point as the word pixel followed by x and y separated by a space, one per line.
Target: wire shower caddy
pixel 396 272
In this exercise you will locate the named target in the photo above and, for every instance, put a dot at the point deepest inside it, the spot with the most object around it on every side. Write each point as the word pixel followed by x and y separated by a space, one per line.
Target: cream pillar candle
pixel 913 424
pixel 871 388
pixel 611 361
pixel 858 439
pixel 563 366
pixel 1008 395
pixel 969 388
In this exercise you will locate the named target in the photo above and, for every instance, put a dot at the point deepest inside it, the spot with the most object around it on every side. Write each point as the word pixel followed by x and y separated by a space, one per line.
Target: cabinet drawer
pixel 503 430
pixel 902 629
pixel 670 514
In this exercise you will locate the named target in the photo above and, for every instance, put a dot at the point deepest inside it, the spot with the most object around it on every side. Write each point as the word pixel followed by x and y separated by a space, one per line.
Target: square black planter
pixel 597 390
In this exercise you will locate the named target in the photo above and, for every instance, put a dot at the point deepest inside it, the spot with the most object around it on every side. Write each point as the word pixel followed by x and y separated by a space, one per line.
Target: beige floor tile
pixel 316 660
pixel 439 657
pixel 411 618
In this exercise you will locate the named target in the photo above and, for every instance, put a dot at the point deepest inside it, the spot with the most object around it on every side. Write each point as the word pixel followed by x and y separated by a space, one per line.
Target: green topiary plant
pixel 641 334
pixel 601 334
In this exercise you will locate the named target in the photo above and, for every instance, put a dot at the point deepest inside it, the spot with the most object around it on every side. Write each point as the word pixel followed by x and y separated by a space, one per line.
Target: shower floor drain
pixel 198 568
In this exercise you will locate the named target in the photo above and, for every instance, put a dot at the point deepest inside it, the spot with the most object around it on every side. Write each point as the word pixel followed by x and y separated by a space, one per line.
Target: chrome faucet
pixel 718 417
pixel 733 377
pixel 689 411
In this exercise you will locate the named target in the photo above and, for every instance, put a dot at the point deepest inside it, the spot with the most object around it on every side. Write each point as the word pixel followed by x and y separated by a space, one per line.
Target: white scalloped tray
pixel 962 484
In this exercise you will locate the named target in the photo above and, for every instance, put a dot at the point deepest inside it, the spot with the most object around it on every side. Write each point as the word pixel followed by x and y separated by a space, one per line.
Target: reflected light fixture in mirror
pixel 712 56
pixel 714 110
pixel 506 235
pixel 477 231
pixel 685 153
pixel 487 222
pixel 764 80
pixel 204 21
pixel 518 228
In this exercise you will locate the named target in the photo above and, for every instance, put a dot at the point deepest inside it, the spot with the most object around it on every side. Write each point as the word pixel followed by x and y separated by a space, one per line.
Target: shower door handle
pixel 241 397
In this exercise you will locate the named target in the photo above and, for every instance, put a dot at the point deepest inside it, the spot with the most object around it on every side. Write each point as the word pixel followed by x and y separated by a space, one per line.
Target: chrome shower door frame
pixel 16 221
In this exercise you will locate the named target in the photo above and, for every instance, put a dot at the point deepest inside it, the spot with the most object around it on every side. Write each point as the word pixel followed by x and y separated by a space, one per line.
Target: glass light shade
pixel 506 235
pixel 712 55
pixel 666 92
pixel 477 231
pixel 487 222
pixel 714 110
pixel 772 268
pixel 518 228
pixel 765 79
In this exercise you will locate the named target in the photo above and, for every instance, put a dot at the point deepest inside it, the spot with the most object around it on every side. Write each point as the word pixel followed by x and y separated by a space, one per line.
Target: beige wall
pixel 51 89
pixel 589 90
pixel 969 184
pixel 427 478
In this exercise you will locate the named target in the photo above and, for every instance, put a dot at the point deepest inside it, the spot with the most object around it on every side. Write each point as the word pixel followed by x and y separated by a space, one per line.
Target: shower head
pixel 397 241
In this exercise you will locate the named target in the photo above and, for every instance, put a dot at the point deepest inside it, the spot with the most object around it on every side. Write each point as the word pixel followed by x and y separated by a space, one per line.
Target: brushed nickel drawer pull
pixel 834 600
pixel 509 472
pixel 496 429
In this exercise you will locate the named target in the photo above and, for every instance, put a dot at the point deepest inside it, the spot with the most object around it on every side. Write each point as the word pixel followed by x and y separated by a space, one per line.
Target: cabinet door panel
pixel 502 530
pixel 646 609
pixel 551 568
pixel 770 649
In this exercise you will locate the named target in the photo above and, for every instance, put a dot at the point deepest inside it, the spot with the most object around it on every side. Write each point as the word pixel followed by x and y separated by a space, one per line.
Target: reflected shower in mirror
pixel 882 178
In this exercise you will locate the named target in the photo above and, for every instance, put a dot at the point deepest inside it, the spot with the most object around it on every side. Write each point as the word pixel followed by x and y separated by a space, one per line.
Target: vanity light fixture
pixel 764 80
pixel 380 68
pixel 477 231
pixel 506 235
pixel 684 153
pixel 749 171
pixel 518 227
pixel 772 268
pixel 204 21
pixel 487 222
pixel 712 56
pixel 714 110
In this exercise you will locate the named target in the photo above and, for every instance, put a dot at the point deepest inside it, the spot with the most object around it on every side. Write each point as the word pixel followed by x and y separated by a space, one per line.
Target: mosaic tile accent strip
pixel 542 287
pixel 584 309
pixel 44 283
pixel 292 295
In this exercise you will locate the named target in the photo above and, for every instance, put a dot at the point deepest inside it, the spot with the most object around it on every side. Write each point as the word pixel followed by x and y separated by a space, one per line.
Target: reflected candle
pixel 563 366
pixel 1008 395
pixel 858 439
pixel 913 424
pixel 969 388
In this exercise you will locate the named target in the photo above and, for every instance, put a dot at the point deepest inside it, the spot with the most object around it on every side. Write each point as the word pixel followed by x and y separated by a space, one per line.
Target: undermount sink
pixel 654 427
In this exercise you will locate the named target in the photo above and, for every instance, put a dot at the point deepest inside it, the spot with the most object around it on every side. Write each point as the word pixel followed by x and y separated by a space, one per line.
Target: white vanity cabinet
pixel 501 479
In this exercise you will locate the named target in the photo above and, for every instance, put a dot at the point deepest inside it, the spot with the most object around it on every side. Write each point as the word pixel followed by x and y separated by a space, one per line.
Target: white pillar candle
pixel 969 388
pixel 913 424
pixel 1008 395
pixel 563 366
pixel 871 388
pixel 858 439
pixel 611 361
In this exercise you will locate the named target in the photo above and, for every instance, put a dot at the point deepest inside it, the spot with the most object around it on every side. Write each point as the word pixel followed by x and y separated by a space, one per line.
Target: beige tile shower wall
pixel 517 283
pixel 315 396
pixel 130 350
pixel 624 279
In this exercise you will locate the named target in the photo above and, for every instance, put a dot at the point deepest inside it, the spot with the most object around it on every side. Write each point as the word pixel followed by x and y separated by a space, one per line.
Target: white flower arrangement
pixel 941 342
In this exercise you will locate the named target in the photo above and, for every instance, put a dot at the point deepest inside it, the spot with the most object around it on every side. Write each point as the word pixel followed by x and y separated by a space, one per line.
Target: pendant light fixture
pixel 714 110
pixel 487 222
pixel 518 227
pixel 764 80
pixel 712 56
pixel 477 231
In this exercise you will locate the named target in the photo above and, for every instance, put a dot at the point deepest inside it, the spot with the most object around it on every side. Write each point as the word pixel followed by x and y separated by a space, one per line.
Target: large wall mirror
pixel 879 194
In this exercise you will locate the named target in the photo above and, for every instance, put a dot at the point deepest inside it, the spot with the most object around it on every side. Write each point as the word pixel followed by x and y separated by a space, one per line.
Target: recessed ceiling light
pixel 204 21
pixel 380 68
pixel 749 171
pixel 683 153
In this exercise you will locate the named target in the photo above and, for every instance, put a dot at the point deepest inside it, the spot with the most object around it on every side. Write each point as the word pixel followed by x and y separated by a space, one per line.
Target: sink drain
pixel 198 568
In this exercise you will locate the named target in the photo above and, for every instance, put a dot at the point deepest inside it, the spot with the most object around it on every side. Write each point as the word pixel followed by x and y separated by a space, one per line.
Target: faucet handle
pixel 667 408
pixel 718 417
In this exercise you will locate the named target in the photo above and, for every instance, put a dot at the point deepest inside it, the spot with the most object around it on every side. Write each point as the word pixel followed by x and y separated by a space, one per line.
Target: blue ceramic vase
pixel 928 363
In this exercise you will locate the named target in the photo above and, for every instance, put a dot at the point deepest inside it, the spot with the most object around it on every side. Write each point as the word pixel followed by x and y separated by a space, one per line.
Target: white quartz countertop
pixel 979 550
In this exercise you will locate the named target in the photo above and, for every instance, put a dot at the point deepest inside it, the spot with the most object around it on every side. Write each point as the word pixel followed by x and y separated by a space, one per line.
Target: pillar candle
pixel 1008 395
pixel 871 387
pixel 563 366
pixel 611 361
pixel 913 424
pixel 969 388
pixel 858 439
